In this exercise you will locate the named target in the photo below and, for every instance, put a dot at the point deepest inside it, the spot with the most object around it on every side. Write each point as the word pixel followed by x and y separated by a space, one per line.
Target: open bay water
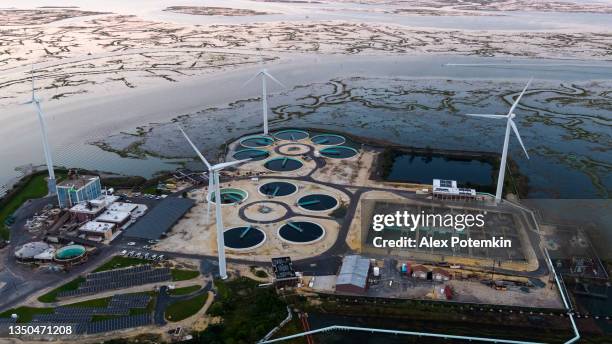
pixel 402 99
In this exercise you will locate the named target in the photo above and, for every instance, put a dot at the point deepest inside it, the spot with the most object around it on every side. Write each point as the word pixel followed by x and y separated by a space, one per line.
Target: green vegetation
pixel 185 308
pixel 248 312
pixel 118 262
pixel 340 212
pixel 25 313
pixel 185 290
pixel 183 275
pixel 31 187
pixel 52 295
pixel 102 302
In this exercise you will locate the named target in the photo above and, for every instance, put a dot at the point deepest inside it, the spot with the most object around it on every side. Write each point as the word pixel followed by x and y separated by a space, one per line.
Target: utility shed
pixel 284 275
pixel 353 276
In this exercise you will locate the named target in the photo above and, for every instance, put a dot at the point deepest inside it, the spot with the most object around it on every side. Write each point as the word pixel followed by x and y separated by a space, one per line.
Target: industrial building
pixel 446 189
pixel 118 218
pixel 98 231
pixel 35 252
pixel 77 189
pixel 91 209
pixel 353 276
pixel 284 275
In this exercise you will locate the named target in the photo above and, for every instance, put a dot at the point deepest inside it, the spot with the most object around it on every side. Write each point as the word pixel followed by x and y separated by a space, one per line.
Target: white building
pixel 118 218
pixel 95 230
pixel 448 189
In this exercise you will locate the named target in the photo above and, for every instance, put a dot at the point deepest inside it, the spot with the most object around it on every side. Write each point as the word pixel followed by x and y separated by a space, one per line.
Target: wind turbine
pixel 51 183
pixel 263 73
pixel 509 124
pixel 213 181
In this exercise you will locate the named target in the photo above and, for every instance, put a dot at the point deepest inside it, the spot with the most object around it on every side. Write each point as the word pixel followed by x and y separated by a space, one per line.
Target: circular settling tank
pixel 317 202
pixel 277 189
pixel 243 238
pixel 283 164
pixel 251 153
pixel 256 142
pixel 291 135
pixel 229 196
pixel 338 152
pixel 301 232
pixel 70 252
pixel 328 139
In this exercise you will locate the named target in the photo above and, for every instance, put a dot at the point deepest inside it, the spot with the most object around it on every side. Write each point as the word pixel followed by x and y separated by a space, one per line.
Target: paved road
pixel 164 300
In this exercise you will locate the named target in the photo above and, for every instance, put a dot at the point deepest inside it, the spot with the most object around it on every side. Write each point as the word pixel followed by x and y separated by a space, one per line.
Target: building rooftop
pixel 123 207
pixel 283 268
pixel 36 250
pixel 354 271
pixel 77 182
pixel 113 216
pixel 96 227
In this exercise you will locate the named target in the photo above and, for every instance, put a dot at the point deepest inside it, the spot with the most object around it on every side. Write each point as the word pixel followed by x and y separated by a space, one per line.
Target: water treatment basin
pixel 283 164
pixel 291 135
pixel 229 196
pixel 244 238
pixel 277 189
pixel 317 202
pixel 338 152
pixel 251 153
pixel 301 232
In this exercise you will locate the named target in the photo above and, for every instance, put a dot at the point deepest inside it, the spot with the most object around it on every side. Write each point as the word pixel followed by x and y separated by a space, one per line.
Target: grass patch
pixel 185 308
pixel 33 187
pixel 52 295
pixel 241 302
pixel 118 262
pixel 183 275
pixel 103 302
pixel 25 313
pixel 185 290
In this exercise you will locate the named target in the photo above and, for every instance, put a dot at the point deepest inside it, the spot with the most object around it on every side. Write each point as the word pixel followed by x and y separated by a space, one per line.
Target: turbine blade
pixel 196 149
pixel 518 137
pixel 274 79
pixel 519 97
pixel 251 79
pixel 223 165
pixel 485 115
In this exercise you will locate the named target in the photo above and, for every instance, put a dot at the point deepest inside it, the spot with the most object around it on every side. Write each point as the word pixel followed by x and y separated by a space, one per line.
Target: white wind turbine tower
pixel 263 73
pixel 213 181
pixel 509 124
pixel 45 139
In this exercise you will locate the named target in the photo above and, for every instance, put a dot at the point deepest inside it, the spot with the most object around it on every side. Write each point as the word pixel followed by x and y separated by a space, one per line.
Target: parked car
pixel 124 252
pixel 154 256
pixel 131 243
pixel 161 257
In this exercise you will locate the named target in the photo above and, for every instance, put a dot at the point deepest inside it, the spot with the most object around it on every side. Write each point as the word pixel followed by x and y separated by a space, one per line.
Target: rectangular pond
pixel 422 168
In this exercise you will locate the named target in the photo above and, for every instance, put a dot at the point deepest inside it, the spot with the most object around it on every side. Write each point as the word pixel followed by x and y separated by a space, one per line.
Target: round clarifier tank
pixel 256 141
pixel 317 202
pixel 230 196
pixel 251 153
pixel 70 252
pixel 283 164
pixel 338 152
pixel 277 189
pixel 328 140
pixel 244 238
pixel 301 232
pixel 291 135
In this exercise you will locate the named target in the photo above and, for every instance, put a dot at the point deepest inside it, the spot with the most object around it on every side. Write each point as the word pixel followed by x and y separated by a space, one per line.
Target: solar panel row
pixel 119 323
pixel 123 278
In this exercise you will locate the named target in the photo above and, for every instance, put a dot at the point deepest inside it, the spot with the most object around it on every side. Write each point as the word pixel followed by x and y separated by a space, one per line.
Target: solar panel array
pixel 161 218
pixel 120 323
pixel 117 279
pixel 81 317
pixel 7 321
